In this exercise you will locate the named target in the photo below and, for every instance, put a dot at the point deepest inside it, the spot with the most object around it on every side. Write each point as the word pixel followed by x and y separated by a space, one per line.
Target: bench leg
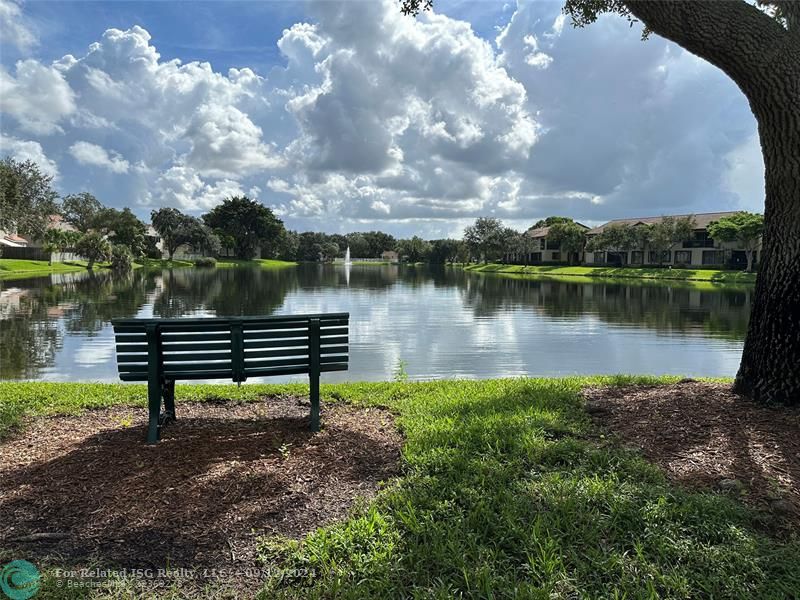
pixel 313 380
pixel 169 400
pixel 154 408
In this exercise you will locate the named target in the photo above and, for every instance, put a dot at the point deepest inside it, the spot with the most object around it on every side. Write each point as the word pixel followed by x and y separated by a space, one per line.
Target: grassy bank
pixel 507 491
pixel 266 263
pixel 11 268
pixel 706 275
pixel 163 263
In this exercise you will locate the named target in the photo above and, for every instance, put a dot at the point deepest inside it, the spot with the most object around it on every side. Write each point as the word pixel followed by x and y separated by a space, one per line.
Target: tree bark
pixel 763 59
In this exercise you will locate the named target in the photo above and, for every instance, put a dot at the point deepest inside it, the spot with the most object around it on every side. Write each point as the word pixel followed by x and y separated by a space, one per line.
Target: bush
pixel 206 261
pixel 121 258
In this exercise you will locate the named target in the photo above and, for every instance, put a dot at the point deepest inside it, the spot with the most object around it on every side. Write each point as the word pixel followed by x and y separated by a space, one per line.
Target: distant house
pixel 542 250
pixel 700 250
pixel 53 222
pixel 12 240
pixel 390 256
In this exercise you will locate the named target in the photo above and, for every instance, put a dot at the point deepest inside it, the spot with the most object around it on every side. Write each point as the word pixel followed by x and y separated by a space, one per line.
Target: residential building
pixel 699 251
pixel 390 256
pixel 543 250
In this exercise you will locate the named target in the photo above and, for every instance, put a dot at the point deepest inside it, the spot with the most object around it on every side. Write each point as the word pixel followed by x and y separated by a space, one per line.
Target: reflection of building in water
pixel 10 301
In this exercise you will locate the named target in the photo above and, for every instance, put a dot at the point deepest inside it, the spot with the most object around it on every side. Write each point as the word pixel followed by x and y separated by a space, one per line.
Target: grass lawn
pixel 507 491
pixel 267 263
pixel 705 275
pixel 11 268
pixel 163 263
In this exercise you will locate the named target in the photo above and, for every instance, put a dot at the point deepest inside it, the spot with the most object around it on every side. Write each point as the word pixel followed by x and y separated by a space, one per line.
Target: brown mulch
pixel 84 488
pixel 703 435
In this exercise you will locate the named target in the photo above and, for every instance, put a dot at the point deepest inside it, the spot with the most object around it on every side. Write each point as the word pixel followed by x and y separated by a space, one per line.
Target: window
pixel 556 255
pixel 699 239
pixel 683 257
pixel 666 256
pixel 637 257
pixel 713 257
pixel 553 245
pixel 541 243
pixel 599 258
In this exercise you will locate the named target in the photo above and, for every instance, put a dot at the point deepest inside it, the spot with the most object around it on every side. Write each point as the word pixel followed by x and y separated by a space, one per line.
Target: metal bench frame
pixel 162 351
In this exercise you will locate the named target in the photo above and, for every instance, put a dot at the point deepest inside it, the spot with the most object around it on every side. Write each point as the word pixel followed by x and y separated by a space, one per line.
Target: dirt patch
pixel 704 435
pixel 86 488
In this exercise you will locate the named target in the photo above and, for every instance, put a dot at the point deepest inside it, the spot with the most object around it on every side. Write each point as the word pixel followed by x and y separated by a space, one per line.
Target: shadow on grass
pixel 506 496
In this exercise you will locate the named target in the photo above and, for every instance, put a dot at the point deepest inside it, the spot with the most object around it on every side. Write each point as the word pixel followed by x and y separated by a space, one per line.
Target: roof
pixel 13 240
pixel 701 220
pixel 541 232
pixel 58 222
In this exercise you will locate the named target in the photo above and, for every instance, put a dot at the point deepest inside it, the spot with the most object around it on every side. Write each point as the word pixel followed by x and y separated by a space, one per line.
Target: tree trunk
pixel 90 264
pixel 770 367
pixel 749 255
pixel 763 58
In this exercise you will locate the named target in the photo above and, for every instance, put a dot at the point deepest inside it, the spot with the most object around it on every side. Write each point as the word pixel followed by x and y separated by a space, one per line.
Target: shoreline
pixel 713 276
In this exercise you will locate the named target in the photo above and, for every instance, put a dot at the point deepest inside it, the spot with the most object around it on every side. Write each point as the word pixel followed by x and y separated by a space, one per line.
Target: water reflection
pixel 441 322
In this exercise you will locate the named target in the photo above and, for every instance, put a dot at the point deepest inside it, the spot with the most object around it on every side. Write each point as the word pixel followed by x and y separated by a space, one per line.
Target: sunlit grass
pixel 507 492
pixel 706 275
pixel 12 268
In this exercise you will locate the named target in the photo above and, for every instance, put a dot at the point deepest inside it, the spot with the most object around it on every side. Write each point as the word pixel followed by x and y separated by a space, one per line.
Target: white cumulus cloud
pixel 87 153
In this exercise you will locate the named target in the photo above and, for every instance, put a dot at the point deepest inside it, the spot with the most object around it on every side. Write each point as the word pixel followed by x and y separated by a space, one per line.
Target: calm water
pixel 440 323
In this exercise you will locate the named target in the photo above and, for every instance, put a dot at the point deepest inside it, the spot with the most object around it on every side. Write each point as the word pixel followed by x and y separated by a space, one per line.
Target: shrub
pixel 121 258
pixel 206 261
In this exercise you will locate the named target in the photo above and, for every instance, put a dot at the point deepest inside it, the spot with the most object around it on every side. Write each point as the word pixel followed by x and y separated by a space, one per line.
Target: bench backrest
pixel 231 347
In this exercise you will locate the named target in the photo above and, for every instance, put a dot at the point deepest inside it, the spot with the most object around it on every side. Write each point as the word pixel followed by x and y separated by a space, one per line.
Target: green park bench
pixel 162 351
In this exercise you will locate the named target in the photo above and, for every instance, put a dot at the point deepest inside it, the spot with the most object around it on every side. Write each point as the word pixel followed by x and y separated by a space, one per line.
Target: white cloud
pixel 22 150
pixel 13 27
pixel 385 121
pixel 36 96
pixel 87 153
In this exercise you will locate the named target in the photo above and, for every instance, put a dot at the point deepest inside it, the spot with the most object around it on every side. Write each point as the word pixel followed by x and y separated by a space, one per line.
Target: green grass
pixel 707 275
pixel 369 263
pixel 267 263
pixel 163 263
pixel 507 492
pixel 11 268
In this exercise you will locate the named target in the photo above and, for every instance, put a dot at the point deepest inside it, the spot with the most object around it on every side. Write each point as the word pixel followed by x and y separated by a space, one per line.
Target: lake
pixel 436 323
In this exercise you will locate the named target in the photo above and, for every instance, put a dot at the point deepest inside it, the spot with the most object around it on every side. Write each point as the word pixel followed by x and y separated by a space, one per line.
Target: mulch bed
pixel 703 435
pixel 77 489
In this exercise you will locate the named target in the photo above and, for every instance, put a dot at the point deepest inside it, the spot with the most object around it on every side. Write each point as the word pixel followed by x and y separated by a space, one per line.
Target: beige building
pixel 390 256
pixel 699 251
pixel 544 251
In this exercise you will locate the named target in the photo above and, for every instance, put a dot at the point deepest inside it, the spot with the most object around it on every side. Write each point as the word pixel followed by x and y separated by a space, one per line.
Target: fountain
pixel 347 256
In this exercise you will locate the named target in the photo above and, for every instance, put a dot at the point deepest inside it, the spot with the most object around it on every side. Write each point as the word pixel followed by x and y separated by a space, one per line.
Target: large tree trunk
pixel 763 58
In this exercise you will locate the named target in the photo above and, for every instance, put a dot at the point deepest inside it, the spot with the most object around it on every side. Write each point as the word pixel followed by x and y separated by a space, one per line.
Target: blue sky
pixel 347 116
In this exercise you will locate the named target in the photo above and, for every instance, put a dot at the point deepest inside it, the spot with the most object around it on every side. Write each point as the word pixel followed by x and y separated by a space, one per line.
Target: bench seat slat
pixel 131 348
pixel 303 343
pixel 301 324
pixel 331 331
pixel 196 356
pixel 292 352
pixel 195 337
pixel 285 362
pixel 256 319
pixel 193 347
pixel 131 338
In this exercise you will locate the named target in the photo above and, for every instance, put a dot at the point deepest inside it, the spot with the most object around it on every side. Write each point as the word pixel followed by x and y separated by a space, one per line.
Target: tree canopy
pixel 27 198
pixel 243 224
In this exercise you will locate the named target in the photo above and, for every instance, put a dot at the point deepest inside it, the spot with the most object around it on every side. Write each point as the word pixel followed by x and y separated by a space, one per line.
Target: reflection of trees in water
pixel 31 333
pixel 223 291
pixel 656 306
